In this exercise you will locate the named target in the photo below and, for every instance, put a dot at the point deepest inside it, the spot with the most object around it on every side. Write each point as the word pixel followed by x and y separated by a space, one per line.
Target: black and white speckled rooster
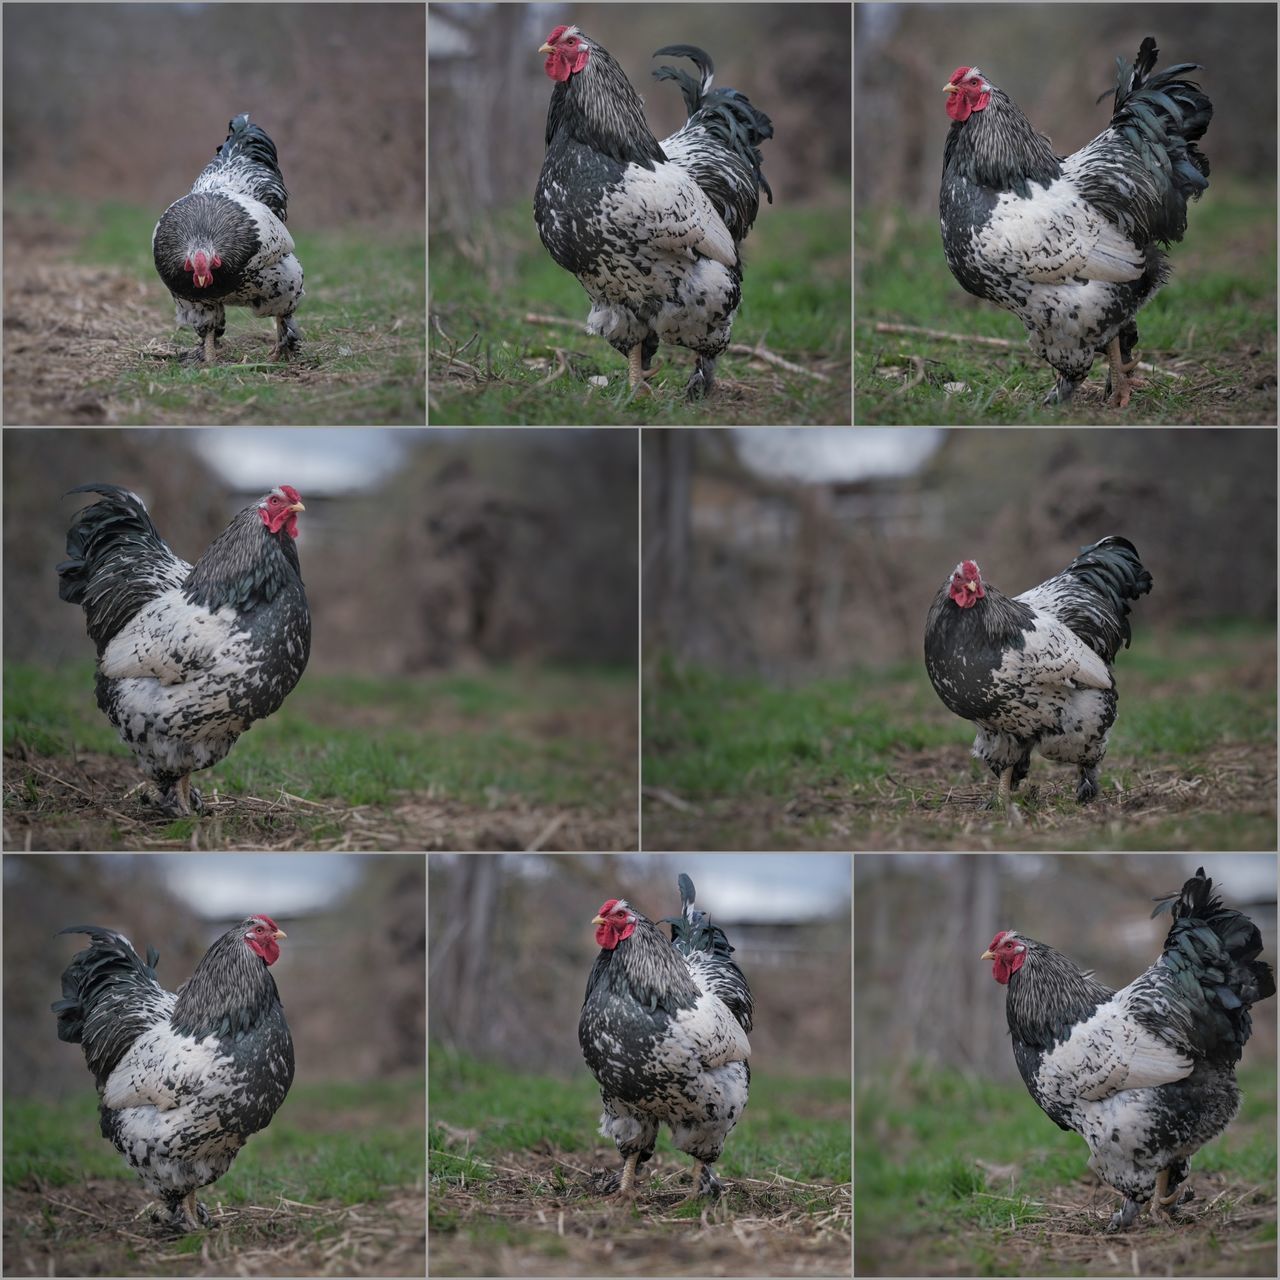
pixel 1034 671
pixel 183 1078
pixel 1069 245
pixel 1146 1075
pixel 188 656
pixel 225 244
pixel 652 230
pixel 664 1030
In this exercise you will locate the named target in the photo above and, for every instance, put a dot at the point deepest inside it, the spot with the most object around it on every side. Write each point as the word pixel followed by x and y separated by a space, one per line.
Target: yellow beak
pixel 987 955
pixel 297 506
pixel 598 920
pixel 949 88
pixel 546 48
pixel 280 933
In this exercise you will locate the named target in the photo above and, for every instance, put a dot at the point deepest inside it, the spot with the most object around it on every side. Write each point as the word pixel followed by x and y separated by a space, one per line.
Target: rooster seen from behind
pixel 183 1079
pixel 189 656
pixel 1070 245
pixel 652 230
pixel 1035 671
pixel 664 1030
pixel 225 243
pixel 1146 1074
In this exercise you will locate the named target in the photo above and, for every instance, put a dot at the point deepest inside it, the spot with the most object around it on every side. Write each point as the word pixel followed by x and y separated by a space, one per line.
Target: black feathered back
pixel 1213 951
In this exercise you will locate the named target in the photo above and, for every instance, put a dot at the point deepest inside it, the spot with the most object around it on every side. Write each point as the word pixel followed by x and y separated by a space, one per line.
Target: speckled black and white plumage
pixel 231 227
pixel 1146 1075
pixel 183 1079
pixel 1034 671
pixel 188 656
pixel 664 1030
pixel 1069 245
pixel 652 230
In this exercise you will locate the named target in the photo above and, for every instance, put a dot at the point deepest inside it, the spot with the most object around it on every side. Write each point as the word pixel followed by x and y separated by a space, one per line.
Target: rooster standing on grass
pixel 226 244
pixel 1034 671
pixel 189 656
pixel 183 1079
pixel 652 230
pixel 1146 1075
pixel 664 1030
pixel 1069 245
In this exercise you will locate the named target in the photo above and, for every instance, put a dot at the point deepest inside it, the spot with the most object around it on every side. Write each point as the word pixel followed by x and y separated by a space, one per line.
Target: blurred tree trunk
pixel 668 554
pixel 462 957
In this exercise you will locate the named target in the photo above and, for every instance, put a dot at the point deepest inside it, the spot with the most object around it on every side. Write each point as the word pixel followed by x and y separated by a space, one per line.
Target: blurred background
pixel 518 1004
pixel 787 575
pixel 515 1151
pixel 110 113
pixel 1054 60
pixel 940 1106
pixel 350 974
pixel 489 96
pixel 472 595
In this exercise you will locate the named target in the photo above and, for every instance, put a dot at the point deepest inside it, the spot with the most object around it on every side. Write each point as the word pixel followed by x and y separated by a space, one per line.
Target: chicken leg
pixel 1003 798
pixel 636 375
pixel 287 336
pixel 627 1182
pixel 1121 384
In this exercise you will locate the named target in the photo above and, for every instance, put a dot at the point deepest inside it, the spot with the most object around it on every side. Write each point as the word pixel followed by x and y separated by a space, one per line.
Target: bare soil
pixel 1222 1232
pixel 103 1227
pixel 72 332
pixel 920 805
pixel 542 1216
pixel 55 803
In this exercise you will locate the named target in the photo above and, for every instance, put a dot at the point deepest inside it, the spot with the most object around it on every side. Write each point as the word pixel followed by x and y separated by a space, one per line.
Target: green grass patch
pixel 1219 309
pixel 363 327
pixel 795 301
pixel 307 1153
pixel 364 741
pixel 795 1127
pixel 941 1154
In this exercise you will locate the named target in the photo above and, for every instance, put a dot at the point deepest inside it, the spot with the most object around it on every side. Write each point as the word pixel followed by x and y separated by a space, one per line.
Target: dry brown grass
pixel 103 1227
pixel 541 1214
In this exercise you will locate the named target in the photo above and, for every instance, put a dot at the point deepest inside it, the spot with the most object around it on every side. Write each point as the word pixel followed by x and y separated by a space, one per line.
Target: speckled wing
pixel 666 208
pixel 1055 237
pixel 1054 654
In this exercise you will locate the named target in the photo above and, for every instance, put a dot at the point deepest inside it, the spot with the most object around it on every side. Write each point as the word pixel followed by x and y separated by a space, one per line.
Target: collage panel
pixel 877 638
pixel 320 638
pixel 639 213
pixel 214 214
pixel 1094 246
pixel 255 1028
pixel 653 1059
pixel 1051 1078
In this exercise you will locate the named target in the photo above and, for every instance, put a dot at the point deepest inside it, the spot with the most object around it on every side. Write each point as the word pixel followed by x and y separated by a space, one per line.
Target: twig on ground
pixel 760 352
pixel 669 798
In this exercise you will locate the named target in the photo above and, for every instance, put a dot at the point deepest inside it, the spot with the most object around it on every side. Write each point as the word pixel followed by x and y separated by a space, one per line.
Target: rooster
pixel 652 230
pixel 189 656
pixel 1035 670
pixel 1069 245
pixel 183 1079
pixel 226 243
pixel 664 1030
pixel 1146 1075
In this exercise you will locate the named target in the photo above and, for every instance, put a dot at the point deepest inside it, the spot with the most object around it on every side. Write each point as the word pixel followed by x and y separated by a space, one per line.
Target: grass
pixel 520 739
pixel 510 1169
pixel 1218 312
pixel 491 365
pixel 957 1175
pixel 300 1155
pixel 337 1175
pixel 875 748
pixel 362 321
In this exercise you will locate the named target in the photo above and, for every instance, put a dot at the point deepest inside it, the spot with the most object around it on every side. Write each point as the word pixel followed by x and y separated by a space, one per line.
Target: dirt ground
pixel 920 806
pixel 103 1227
pixel 53 803
pixel 71 331
pixel 543 1216
pixel 1218 1235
